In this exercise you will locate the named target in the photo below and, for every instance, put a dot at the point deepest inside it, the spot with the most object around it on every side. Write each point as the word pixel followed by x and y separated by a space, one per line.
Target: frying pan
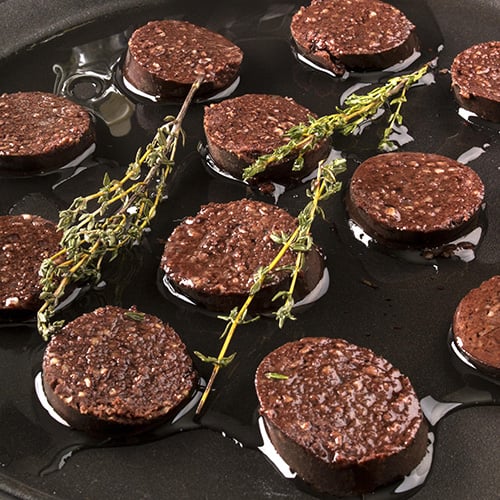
pixel 401 310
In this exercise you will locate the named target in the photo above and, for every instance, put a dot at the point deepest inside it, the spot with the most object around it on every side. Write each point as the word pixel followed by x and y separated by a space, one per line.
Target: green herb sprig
pixel 358 109
pixel 95 227
pixel 322 187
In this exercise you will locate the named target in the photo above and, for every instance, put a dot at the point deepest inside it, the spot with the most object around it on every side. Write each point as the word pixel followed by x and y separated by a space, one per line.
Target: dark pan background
pixel 404 317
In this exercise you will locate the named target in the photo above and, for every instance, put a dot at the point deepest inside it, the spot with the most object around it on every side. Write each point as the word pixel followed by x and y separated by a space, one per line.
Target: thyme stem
pixel 121 215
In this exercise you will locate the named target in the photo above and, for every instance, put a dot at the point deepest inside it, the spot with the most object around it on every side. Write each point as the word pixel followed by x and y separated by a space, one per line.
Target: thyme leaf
pixel 135 315
pixel 232 317
pixel 276 376
pixel 95 227
pixel 224 361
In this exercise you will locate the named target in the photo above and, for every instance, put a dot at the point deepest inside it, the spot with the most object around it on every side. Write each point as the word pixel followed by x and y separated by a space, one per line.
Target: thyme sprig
pixel 323 187
pixel 357 110
pixel 95 227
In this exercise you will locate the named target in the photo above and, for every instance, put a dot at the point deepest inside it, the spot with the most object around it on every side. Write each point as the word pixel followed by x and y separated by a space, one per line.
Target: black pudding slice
pixel 117 371
pixel 213 257
pixel 414 199
pixel 344 419
pixel 41 132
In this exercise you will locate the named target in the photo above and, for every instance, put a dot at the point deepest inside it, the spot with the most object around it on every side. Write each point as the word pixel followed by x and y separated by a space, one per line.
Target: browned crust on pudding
pixel 342 35
pixel 414 199
pixel 345 420
pixel 475 79
pixel 41 132
pixel 25 241
pixel 164 58
pixel 212 257
pixel 476 325
pixel 107 372
pixel 241 129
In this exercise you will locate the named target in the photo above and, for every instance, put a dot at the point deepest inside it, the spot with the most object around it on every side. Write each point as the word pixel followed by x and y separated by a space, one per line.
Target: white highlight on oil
pixel 44 401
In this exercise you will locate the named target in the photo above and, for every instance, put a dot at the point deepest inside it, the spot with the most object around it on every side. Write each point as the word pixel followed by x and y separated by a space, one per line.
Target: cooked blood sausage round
pixel 416 199
pixel 213 257
pixel 164 58
pixel 475 78
pixel 115 370
pixel 476 325
pixel 241 129
pixel 344 419
pixel 25 241
pixel 342 35
pixel 40 132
